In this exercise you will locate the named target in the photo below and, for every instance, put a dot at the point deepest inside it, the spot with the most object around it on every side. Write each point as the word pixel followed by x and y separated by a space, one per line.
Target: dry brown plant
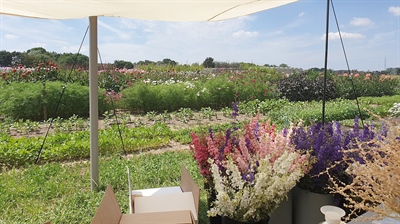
pixel 375 185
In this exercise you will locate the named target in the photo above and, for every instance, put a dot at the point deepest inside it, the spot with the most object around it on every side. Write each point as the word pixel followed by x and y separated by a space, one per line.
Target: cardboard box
pixel 167 199
pixel 168 205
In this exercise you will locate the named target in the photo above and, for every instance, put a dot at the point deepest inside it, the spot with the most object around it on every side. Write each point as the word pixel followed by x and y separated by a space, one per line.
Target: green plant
pixel 184 114
pixel 64 145
pixel 5 128
pixel 159 97
pixel 151 115
pixel 57 124
pixel 29 126
pixel 27 101
pixel 227 112
pixel 307 86
pixel 266 106
pixel 166 116
pixel 107 116
pixel 249 108
pixel 350 86
pixel 209 113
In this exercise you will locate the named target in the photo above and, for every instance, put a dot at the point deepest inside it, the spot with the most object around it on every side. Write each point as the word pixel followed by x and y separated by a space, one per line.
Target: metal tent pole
pixel 93 99
pixel 326 60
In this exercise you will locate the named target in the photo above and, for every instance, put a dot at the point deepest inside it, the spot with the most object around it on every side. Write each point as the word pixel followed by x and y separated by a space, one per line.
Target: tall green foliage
pixel 144 97
pixel 357 85
pixel 307 87
pixel 38 101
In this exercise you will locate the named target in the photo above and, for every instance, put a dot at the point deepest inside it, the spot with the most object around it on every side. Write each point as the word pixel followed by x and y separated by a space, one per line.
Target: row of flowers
pixel 367 76
pixel 252 169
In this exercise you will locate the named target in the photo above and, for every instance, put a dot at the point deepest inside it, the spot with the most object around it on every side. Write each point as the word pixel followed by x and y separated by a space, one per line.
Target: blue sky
pixel 292 34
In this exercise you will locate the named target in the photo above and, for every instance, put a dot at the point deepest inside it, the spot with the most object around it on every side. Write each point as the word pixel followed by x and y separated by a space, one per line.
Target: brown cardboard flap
pixel 189 185
pixel 174 217
pixel 109 211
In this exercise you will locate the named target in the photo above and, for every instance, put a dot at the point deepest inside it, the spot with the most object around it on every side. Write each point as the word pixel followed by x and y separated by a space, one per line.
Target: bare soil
pixel 174 123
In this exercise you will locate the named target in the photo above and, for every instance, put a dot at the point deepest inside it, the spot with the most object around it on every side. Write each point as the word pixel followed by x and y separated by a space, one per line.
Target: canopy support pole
pixel 93 99
pixel 326 61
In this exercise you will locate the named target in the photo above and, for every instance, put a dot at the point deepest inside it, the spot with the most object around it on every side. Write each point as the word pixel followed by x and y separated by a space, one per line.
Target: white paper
pixel 165 203
pixel 157 191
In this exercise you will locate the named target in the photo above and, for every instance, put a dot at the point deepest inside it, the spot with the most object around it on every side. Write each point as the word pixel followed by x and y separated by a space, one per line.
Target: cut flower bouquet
pixel 329 144
pixel 252 170
pixel 375 172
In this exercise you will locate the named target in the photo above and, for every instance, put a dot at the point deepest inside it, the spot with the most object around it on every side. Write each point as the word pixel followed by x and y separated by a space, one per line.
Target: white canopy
pixel 166 10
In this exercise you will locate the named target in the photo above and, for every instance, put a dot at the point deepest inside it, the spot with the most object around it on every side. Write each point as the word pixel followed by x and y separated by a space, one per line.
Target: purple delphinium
pixel 235 108
pixel 327 144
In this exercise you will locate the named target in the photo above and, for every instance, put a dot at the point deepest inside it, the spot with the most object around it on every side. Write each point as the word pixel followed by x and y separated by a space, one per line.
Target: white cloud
pixel 120 33
pixel 301 14
pixel 394 10
pixel 335 36
pixel 245 34
pixel 361 22
pixel 142 25
pixel 11 36
pixel 384 38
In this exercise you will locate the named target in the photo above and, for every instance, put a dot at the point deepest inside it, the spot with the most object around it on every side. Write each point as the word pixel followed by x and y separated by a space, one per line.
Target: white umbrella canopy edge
pixel 163 10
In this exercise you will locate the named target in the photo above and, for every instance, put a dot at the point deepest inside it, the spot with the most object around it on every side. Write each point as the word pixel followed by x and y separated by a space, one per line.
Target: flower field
pixel 150 109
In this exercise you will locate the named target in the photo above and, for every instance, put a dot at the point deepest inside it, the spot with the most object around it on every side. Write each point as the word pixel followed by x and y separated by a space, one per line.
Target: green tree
pixel 146 62
pixel 5 58
pixel 69 60
pixel 167 61
pixel 40 55
pixel 209 63
pixel 123 64
pixel 283 65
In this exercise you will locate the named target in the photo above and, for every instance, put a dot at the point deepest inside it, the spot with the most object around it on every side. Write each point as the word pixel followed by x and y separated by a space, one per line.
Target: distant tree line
pixel 37 55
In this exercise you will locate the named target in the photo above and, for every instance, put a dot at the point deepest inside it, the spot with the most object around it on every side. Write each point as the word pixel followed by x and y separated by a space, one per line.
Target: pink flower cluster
pixel 367 76
pixel 247 147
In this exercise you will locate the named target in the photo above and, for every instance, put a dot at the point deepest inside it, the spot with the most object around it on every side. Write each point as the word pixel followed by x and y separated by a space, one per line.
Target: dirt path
pixel 174 122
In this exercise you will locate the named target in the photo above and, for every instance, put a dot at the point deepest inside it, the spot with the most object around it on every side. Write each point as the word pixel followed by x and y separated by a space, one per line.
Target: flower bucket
pixel 306 206
pixel 283 214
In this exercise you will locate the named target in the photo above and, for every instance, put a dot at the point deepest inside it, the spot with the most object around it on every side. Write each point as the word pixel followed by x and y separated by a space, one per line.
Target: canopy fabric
pixel 165 10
